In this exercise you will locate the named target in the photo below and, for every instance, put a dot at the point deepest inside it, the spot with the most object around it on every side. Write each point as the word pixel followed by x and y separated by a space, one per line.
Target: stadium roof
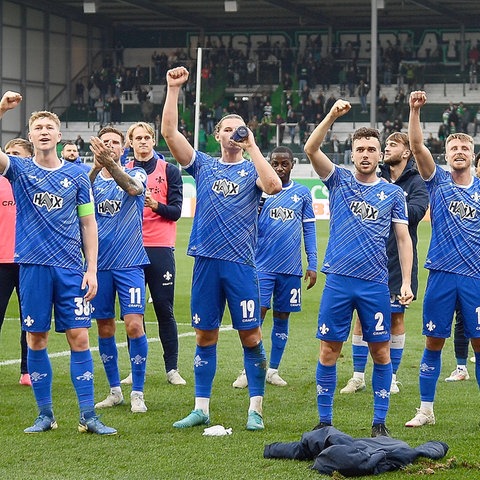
pixel 211 15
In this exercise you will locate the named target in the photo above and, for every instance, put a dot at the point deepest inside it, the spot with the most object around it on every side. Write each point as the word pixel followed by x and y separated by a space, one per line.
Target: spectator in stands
pixel 119 48
pixel 264 131
pixel 302 129
pixel 79 91
pixel 330 102
pixel 100 110
pixel 116 110
pixel 80 143
pixel 399 103
pixel 335 149
pixel 472 75
pixel 292 122
pixel 253 125
pixel 351 82
pixel 382 108
pixel 362 91
pixel 347 150
pixel 476 122
pixel 280 123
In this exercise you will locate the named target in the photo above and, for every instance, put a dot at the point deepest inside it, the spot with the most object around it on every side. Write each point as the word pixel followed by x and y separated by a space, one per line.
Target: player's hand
pixel 102 155
pixel 177 76
pixel 340 108
pixel 150 202
pixel 417 99
pixel 90 281
pixel 406 295
pixel 9 101
pixel 311 278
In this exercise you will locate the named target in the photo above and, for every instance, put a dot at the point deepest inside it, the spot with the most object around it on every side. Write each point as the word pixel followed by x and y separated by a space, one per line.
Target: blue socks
pixel 326 377
pixel 40 370
pixel 430 367
pixel 109 356
pixel 138 360
pixel 255 363
pixel 81 373
pixel 381 382
pixel 279 339
pixel 205 367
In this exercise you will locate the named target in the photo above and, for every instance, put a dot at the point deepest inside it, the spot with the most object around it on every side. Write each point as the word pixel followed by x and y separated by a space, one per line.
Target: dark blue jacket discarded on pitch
pixel 417 198
pixel 335 451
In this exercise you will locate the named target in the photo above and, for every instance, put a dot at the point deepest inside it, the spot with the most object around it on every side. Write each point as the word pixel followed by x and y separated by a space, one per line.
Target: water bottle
pixel 240 134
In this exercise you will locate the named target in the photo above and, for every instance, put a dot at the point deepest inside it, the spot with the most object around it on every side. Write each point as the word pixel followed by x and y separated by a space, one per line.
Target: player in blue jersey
pixel 282 219
pixel 453 256
pixel 223 241
pixel 119 196
pixel 399 168
pixel 362 210
pixel 55 222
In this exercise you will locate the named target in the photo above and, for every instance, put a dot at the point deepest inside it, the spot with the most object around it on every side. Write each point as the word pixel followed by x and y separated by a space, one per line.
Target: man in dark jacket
pixel 335 451
pixel 399 168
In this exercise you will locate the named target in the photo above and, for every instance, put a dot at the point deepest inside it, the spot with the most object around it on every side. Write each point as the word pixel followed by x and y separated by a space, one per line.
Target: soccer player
pixel 398 168
pixel 163 207
pixel 362 211
pixel 55 221
pixel 223 243
pixel 453 255
pixel 119 195
pixel 9 270
pixel 282 219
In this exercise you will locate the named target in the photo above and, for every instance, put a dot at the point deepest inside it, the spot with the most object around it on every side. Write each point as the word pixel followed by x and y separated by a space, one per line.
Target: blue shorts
pixel 441 296
pixel 341 296
pixel 286 291
pixel 129 283
pixel 42 288
pixel 216 282
pixel 395 305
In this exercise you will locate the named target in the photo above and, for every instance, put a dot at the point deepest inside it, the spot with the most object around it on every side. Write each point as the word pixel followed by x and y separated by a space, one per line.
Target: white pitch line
pixel 66 353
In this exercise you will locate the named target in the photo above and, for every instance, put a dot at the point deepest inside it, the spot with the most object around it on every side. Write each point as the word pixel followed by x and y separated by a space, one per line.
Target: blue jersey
pixel 360 219
pixel 119 218
pixel 225 222
pixel 282 219
pixel 455 214
pixel 48 227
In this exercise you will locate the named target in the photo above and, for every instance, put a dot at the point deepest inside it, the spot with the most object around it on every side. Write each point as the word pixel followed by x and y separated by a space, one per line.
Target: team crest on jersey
pixel 463 210
pixel 109 207
pixel 225 187
pixel 281 213
pixel 364 210
pixel 48 200
pixel 382 195
pixel 65 183
pixel 242 173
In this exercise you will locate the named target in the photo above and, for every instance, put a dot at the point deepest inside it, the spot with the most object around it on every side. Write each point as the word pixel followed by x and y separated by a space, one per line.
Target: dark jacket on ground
pixel 416 195
pixel 333 451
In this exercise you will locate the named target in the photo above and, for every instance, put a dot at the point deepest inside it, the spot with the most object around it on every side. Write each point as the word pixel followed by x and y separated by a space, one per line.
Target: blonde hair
pixel 226 117
pixel 463 137
pixel 21 142
pixel 44 114
pixel 143 125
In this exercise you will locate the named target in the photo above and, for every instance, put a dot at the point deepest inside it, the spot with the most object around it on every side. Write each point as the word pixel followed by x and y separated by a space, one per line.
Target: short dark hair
pixel 111 130
pixel 366 132
pixel 283 149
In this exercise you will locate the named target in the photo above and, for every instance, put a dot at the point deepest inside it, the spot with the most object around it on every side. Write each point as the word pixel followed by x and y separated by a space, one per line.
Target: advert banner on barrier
pixel 318 190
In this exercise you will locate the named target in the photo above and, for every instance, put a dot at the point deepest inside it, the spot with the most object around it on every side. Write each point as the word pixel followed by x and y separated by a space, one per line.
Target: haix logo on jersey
pixel 281 213
pixel 225 187
pixel 109 207
pixel 47 200
pixel 364 210
pixel 463 210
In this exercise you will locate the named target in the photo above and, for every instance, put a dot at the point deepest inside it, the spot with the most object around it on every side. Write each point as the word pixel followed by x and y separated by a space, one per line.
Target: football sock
pixel 397 344
pixel 381 382
pixel 41 374
pixel 279 339
pixel 431 365
pixel 81 373
pixel 326 377
pixel 255 362
pixel 138 360
pixel 359 353
pixel 109 356
pixel 205 367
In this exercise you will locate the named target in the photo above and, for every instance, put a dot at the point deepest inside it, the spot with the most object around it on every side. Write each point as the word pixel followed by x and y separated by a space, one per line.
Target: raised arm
pixel 103 157
pixel 176 141
pixel 8 102
pixel 423 157
pixel 320 162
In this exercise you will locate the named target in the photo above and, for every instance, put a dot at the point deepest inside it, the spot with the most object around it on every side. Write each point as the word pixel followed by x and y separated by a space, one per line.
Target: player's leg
pixel 207 306
pixel 438 309
pixel 360 357
pixel 334 321
pixel 286 299
pixel 130 286
pixel 37 308
pixel 460 343
pixel 397 340
pixel 375 315
pixel 242 293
